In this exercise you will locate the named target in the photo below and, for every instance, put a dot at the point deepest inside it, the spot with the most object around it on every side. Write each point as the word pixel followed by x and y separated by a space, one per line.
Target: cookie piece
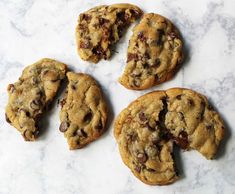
pixel 30 96
pixel 84 112
pixel 154 53
pixel 100 27
pixel 143 143
pixel 193 122
pixel 150 125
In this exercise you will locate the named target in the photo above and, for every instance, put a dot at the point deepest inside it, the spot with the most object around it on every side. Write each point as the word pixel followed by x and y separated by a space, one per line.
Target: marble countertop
pixel 32 29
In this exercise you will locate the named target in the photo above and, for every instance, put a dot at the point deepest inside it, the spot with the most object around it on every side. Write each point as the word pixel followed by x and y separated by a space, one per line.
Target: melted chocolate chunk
pixel 64 126
pixel 88 117
pixel 182 140
pixel 7 118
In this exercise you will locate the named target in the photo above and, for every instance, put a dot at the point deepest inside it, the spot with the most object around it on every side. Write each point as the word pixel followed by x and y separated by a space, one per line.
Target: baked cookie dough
pixel 102 26
pixel 146 129
pixel 154 53
pixel 30 96
pixel 84 111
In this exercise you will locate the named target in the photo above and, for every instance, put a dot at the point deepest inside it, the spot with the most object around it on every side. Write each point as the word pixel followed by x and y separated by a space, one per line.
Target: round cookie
pixel 30 96
pixel 84 112
pixel 154 53
pixel 102 26
pixel 147 128
pixel 143 142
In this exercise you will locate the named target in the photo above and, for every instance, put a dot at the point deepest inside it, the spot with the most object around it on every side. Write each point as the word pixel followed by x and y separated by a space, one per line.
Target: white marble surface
pixel 31 29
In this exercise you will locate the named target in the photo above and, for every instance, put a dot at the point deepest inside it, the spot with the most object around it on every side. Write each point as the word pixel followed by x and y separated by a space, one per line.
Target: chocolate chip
pixel 160 34
pixel 121 16
pixel 99 126
pixel 81 133
pixel 82 26
pixel 85 45
pixel 98 50
pixel 7 118
pixel 62 102
pixel 131 56
pixel 142 157
pixel 87 118
pixel 145 65
pixel 209 126
pixel 85 17
pixel 190 101
pixel 103 21
pixel 27 113
pixel 11 88
pixel 150 170
pixel 173 35
pixel 178 97
pixel 64 126
pixel 135 13
pixel 136 82
pixel 137 169
pixel 142 116
pixel 30 135
pixel 73 87
pixel 156 77
pixel 181 116
pixel 131 137
pixel 141 36
pixel 34 80
pixel 182 140
pixel 36 104
pixel 157 62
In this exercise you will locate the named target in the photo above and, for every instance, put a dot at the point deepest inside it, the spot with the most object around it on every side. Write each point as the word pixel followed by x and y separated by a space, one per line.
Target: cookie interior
pixel 84 112
pixel 100 27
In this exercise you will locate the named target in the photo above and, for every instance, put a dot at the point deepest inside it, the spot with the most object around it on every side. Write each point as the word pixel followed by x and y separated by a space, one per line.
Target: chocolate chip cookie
pixel 84 111
pixel 148 127
pixel 154 53
pixel 30 96
pixel 100 27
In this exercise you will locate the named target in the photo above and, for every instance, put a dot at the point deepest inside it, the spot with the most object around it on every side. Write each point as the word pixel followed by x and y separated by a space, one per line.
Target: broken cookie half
pixel 146 130
pixel 84 111
pixel 102 26
pixel 154 54
pixel 30 96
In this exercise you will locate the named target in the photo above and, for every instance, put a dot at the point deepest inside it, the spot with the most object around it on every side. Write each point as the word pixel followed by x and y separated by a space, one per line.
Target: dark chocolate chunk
pixel 64 126
pixel 87 118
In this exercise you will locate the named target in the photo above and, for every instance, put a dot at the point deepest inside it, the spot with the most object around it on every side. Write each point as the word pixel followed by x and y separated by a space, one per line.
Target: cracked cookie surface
pixel 102 26
pixel 142 140
pixel 154 53
pixel 193 122
pixel 84 111
pixel 150 125
pixel 30 96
